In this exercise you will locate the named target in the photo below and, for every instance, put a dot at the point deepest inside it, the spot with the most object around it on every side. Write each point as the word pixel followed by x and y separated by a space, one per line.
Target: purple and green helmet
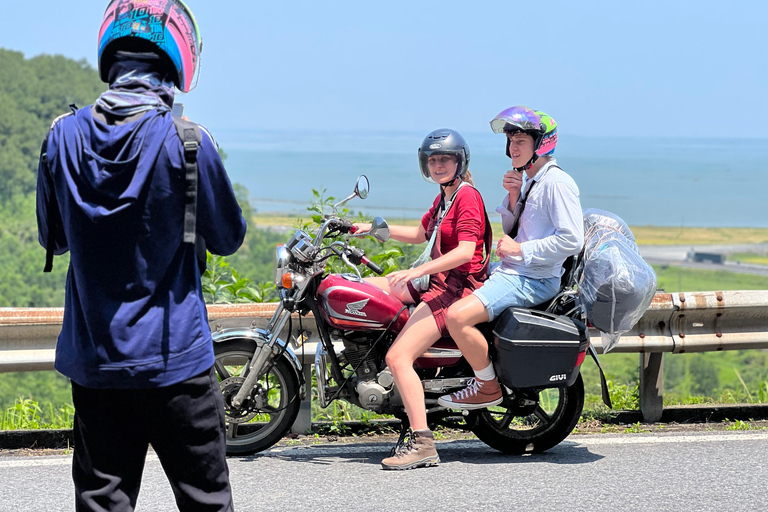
pixel 537 124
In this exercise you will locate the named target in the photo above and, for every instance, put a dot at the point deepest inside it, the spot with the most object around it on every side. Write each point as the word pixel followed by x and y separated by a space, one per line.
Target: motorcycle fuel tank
pixel 349 304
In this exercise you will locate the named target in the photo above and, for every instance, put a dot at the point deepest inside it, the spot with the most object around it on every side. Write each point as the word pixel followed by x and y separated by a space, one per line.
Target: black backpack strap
pixel 512 233
pixel 52 220
pixel 52 208
pixel 603 383
pixel 191 137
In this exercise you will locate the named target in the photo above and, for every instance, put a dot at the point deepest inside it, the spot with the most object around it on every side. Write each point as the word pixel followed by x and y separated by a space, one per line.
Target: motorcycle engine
pixel 375 394
pixel 373 387
pixel 357 351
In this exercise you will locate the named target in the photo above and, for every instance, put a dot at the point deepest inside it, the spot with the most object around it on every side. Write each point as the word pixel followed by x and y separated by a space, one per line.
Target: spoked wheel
pixel 531 422
pixel 272 406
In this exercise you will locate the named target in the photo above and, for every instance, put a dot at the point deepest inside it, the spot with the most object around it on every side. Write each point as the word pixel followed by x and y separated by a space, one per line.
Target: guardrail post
pixel 303 421
pixel 651 386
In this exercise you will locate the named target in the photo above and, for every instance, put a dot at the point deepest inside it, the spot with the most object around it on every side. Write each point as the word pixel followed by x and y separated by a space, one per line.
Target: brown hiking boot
pixel 417 451
pixel 478 394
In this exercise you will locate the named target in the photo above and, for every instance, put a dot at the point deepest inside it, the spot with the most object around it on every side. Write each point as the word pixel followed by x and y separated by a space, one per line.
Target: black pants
pixel 184 423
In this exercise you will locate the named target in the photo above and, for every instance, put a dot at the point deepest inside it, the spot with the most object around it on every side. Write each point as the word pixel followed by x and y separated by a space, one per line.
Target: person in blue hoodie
pixel 115 190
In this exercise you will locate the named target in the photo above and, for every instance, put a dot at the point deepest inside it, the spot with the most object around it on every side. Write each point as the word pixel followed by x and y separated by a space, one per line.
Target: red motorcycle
pixel 537 353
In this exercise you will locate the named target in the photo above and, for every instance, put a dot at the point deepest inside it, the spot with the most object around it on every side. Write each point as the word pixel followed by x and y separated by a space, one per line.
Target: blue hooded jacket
pixel 134 315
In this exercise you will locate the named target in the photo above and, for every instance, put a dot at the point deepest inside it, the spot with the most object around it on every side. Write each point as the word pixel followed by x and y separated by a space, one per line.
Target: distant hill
pixel 33 92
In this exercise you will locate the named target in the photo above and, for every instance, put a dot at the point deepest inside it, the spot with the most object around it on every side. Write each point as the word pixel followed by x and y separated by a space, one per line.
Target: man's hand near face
pixel 512 183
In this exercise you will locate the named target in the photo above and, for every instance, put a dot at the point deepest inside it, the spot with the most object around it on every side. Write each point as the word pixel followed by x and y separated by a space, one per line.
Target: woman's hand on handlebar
pixel 361 226
pixel 403 276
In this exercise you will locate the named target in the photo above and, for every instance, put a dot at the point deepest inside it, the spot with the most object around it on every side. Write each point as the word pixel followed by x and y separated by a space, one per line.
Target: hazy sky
pixel 671 68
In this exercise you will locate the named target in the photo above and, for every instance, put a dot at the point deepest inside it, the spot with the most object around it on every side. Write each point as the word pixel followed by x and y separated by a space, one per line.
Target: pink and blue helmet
pixel 168 24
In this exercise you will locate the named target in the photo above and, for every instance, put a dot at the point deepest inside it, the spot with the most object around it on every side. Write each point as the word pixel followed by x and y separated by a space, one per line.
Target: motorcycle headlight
pixel 283 259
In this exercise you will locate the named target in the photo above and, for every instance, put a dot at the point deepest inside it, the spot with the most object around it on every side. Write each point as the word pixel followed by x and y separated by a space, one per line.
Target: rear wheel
pixel 530 422
pixel 269 410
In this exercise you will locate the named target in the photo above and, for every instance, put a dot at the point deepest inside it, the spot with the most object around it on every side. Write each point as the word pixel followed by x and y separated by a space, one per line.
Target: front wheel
pixel 530 422
pixel 269 411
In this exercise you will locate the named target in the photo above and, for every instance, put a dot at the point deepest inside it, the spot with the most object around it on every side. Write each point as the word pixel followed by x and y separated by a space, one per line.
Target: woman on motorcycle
pixel 456 267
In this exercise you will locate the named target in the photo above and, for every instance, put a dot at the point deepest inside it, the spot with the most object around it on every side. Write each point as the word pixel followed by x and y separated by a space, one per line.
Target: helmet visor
pixel 522 118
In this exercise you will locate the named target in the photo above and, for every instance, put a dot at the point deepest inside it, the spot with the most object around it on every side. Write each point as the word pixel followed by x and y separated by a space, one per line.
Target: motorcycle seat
pixel 567 283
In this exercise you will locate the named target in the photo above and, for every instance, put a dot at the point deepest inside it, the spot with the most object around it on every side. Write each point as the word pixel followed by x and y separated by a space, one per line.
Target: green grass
pixel 26 415
pixel 677 279
pixel 636 428
pixel 654 235
pixel 749 257
pixel 739 425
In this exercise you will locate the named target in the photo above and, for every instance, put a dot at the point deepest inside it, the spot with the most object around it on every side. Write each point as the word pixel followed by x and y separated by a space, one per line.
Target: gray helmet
pixel 444 142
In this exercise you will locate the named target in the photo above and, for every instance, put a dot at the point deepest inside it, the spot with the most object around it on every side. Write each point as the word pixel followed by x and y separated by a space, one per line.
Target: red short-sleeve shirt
pixel 465 221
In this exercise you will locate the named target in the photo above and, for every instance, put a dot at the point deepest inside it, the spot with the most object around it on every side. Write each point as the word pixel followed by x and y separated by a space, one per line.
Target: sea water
pixel 646 181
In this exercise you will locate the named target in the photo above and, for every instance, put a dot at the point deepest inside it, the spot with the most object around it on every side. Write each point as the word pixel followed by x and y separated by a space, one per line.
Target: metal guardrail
pixel 675 323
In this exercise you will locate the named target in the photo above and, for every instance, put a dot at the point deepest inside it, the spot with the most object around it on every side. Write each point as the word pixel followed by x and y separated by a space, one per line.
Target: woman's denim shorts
pixel 503 290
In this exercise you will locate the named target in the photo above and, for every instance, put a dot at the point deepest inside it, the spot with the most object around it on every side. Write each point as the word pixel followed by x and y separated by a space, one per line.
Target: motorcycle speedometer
pixel 300 245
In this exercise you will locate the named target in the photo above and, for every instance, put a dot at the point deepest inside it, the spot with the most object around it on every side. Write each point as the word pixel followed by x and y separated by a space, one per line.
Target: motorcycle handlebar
pixel 357 256
pixel 344 226
pixel 371 265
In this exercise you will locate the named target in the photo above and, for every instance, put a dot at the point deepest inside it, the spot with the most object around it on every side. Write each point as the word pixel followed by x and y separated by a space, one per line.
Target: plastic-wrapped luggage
pixel 616 285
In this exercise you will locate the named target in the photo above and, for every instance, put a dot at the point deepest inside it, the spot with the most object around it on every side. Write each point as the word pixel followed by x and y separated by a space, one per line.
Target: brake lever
pixel 345 259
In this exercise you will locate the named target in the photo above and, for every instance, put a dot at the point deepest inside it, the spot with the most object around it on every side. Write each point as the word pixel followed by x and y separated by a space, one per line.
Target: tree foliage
pixel 33 92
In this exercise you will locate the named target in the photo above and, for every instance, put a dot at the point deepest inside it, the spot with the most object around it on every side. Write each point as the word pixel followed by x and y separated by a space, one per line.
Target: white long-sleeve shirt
pixel 551 228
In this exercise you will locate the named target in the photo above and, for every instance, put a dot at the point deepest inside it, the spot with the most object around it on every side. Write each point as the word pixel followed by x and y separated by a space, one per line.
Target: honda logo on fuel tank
pixel 353 308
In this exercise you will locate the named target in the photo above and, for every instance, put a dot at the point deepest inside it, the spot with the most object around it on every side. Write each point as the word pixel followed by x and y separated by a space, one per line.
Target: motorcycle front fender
pixel 259 338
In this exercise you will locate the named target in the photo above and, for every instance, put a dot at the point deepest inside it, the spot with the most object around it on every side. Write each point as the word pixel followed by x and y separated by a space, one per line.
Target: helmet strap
pixel 529 164
pixel 443 186
pixel 441 204
pixel 449 183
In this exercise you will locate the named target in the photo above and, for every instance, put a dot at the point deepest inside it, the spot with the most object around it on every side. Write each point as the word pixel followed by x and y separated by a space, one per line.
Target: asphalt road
pixel 705 471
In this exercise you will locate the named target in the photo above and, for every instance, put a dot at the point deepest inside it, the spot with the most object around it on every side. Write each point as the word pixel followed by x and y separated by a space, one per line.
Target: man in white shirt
pixel 543 227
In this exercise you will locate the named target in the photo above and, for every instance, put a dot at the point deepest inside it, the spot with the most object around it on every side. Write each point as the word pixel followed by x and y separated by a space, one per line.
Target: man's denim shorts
pixel 503 290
